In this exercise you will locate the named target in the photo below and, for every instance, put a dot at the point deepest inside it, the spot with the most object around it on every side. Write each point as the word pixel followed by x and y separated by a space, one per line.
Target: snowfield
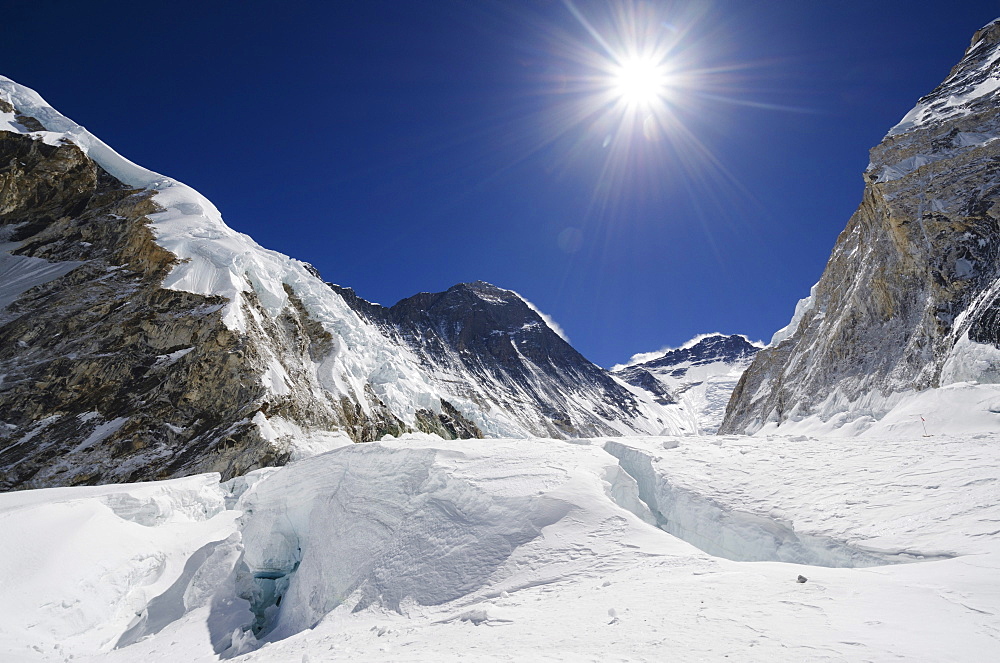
pixel 659 548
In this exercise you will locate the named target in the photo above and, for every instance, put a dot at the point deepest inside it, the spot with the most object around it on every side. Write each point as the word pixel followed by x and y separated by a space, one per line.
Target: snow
pixel 85 561
pixel 303 444
pixel 18 274
pixel 171 357
pixel 547 319
pixel 956 96
pixel 701 383
pixel 970 361
pixel 101 432
pixel 802 307
pixel 966 408
pixel 420 549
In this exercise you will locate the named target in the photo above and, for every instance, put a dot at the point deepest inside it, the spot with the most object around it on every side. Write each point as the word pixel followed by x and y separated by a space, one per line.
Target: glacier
pixel 422 549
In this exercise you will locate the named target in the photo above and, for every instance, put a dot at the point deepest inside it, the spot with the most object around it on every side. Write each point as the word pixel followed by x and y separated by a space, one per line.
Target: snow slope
pixel 424 550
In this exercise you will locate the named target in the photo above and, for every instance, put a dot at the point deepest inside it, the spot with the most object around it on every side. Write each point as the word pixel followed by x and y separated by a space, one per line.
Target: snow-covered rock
pixel 503 352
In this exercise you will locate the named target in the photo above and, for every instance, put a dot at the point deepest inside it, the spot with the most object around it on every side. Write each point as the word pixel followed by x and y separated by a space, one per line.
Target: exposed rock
pixel 910 296
pixel 642 378
pixel 448 424
pixel 109 377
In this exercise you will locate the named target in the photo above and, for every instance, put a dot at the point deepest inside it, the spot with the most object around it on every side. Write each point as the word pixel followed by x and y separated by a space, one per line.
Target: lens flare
pixel 640 82
pixel 637 83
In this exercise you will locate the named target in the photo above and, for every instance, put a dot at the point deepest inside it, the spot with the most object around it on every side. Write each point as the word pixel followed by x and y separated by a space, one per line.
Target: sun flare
pixel 640 82
pixel 630 82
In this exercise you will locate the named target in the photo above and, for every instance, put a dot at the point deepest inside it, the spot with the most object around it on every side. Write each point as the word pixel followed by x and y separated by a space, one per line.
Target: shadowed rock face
pixel 99 364
pixel 911 288
pixel 515 361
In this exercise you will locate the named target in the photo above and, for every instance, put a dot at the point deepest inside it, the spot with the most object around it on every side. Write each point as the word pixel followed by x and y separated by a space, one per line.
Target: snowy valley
pixel 210 453
pixel 423 550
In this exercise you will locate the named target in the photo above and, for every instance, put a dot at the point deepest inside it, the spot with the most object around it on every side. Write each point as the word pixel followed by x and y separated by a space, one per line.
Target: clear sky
pixel 403 146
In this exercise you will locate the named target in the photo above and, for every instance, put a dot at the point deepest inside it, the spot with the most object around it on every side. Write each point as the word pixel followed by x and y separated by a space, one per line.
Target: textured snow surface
pixel 965 407
pixel 423 550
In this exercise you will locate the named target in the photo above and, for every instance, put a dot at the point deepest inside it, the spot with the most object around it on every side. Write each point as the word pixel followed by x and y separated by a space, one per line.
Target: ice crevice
pixel 371 525
pixel 722 531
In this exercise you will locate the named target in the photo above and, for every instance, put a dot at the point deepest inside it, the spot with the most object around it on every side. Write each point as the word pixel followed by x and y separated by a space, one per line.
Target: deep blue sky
pixel 407 146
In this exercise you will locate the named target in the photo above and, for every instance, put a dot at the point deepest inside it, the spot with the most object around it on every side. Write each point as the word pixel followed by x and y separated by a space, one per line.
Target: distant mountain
pixel 494 348
pixel 142 338
pixel 699 376
pixel 910 298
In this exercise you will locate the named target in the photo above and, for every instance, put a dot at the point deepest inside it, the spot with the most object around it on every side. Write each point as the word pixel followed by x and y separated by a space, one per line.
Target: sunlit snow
pixel 425 550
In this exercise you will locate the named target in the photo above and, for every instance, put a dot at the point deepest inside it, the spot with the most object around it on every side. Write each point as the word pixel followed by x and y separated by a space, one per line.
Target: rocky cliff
pixel 108 376
pixel 142 338
pixel 910 299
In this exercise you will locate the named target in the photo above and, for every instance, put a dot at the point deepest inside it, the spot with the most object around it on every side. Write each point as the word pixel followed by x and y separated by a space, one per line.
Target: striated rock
pixel 910 297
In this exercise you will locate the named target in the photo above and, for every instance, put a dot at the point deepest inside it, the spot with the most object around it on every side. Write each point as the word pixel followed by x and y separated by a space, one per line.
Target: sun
pixel 640 82
pixel 631 84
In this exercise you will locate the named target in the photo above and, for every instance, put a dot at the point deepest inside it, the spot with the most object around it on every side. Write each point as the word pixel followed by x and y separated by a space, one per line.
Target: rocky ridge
pixel 910 298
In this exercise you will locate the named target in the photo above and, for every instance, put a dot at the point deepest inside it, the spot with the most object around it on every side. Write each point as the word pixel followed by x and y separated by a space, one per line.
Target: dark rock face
pixel 908 300
pixel 640 377
pixel 498 351
pixel 100 363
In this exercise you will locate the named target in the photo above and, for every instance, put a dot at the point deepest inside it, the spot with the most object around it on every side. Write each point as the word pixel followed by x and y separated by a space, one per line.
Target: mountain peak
pixel 700 375
pixel 715 345
pixel 989 34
